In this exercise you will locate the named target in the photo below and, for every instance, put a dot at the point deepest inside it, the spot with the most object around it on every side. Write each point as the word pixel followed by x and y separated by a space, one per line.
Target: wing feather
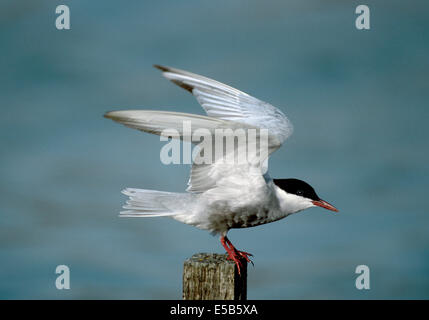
pixel 224 102
pixel 226 108
pixel 227 103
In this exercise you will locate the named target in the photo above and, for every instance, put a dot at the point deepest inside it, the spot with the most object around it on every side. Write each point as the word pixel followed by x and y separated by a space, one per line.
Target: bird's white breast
pixel 241 201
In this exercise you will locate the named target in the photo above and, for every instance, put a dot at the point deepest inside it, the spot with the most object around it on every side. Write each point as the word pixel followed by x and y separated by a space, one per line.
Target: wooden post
pixel 210 276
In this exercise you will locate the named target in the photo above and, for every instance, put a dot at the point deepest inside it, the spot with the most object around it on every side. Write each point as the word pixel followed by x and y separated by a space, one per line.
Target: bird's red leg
pixel 234 254
pixel 243 254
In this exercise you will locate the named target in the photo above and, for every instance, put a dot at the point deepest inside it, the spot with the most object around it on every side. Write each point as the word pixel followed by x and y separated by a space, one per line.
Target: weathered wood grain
pixel 210 276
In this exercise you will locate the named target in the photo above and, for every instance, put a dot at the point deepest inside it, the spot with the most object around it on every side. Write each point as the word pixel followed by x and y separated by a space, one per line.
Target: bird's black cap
pixel 297 187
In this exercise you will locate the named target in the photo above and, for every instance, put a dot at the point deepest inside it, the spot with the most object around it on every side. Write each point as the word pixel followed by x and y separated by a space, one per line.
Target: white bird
pixel 221 195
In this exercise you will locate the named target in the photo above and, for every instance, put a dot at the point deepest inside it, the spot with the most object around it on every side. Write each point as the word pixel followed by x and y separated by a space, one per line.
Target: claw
pixel 246 256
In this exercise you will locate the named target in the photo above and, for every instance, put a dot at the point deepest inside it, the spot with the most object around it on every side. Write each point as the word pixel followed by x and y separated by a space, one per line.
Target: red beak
pixel 324 204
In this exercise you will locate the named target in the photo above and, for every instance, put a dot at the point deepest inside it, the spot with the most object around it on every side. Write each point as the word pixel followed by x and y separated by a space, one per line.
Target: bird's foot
pixel 245 255
pixel 236 255
pixel 237 258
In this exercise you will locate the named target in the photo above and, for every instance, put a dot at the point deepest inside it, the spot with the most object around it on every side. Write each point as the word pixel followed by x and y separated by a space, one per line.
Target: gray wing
pixel 227 103
pixel 224 102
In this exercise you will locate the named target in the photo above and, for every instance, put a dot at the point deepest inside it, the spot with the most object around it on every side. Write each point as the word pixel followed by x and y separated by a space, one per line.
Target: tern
pixel 221 195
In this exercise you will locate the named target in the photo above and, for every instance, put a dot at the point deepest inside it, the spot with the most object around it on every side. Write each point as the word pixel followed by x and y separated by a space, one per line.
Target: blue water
pixel 357 99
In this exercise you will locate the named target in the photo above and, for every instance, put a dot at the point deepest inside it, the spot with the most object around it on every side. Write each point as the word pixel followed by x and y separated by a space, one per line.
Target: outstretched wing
pixel 204 175
pixel 227 108
pixel 227 103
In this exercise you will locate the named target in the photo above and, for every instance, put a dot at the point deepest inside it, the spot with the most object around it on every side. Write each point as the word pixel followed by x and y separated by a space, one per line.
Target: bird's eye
pixel 299 193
